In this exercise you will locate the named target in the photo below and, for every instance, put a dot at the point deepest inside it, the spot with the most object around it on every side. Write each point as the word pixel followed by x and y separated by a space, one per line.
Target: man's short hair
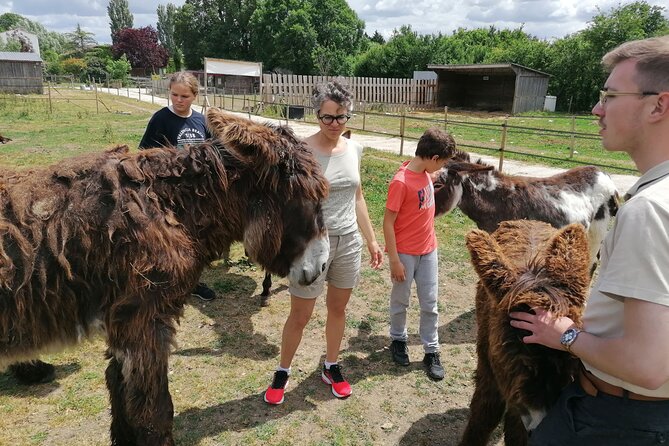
pixel 652 61
pixel 435 142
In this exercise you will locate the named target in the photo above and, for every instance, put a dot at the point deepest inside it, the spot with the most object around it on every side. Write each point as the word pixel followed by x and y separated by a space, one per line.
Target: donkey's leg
pixel 266 285
pixel 121 431
pixel 486 408
pixel 142 410
pixel 515 433
pixel 33 372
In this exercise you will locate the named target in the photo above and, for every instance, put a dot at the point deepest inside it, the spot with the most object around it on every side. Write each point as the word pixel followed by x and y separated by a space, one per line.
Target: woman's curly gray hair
pixel 332 91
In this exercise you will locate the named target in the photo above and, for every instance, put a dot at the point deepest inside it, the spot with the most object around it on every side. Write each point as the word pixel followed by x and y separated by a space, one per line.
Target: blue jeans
pixel 578 419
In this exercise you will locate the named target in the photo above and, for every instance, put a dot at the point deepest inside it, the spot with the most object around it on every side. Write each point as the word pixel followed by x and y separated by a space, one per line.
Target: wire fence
pixel 560 140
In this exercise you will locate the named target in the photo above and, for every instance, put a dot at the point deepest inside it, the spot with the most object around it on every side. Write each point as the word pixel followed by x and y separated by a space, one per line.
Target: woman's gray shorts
pixel 342 269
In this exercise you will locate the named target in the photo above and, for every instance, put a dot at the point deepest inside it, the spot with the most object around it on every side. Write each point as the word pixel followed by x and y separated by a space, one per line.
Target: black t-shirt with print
pixel 166 128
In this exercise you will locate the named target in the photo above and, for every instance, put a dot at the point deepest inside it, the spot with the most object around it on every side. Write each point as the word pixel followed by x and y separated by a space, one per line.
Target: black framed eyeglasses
pixel 329 119
pixel 604 95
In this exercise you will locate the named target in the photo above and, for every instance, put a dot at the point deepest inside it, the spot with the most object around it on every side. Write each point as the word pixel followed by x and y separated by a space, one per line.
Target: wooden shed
pixel 21 73
pixel 508 87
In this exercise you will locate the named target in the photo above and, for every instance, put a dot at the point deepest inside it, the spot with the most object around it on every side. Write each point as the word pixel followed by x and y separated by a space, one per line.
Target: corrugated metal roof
pixel 483 68
pixel 19 57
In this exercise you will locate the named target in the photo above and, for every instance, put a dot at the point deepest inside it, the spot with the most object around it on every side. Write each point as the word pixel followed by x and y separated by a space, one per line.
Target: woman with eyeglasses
pixel 345 211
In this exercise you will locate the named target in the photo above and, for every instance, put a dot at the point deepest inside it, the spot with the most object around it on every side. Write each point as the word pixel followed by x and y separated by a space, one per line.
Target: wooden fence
pixel 296 90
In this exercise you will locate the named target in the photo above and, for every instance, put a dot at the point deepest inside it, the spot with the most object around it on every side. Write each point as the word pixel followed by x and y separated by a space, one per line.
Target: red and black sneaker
pixel 274 393
pixel 332 376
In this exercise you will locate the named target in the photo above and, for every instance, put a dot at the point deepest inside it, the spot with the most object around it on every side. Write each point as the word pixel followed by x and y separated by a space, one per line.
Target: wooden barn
pixel 508 87
pixel 21 73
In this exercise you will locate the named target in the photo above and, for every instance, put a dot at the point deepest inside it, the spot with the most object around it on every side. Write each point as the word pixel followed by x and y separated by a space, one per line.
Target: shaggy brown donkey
pixel 524 264
pixel 113 242
pixel 267 280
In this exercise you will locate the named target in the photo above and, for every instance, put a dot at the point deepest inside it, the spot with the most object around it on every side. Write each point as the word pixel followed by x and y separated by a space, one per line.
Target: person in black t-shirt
pixel 178 125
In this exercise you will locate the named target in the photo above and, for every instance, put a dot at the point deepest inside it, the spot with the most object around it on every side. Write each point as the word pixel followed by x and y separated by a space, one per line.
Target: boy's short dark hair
pixel 435 142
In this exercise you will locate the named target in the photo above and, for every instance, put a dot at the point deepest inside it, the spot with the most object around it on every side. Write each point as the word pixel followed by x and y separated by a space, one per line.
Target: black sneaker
pixel 400 352
pixel 433 366
pixel 202 291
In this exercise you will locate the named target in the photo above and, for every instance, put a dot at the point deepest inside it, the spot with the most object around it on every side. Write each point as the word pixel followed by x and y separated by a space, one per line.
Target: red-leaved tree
pixel 141 47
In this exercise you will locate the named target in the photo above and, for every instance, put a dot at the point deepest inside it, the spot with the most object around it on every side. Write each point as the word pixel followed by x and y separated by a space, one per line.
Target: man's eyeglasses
pixel 604 95
pixel 329 119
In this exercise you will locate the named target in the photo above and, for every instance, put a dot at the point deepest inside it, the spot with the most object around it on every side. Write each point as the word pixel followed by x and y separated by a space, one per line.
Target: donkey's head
pixel 449 181
pixel 526 264
pixel 284 186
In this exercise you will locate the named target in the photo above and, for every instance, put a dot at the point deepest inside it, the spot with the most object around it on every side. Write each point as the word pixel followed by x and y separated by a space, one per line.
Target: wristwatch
pixel 568 338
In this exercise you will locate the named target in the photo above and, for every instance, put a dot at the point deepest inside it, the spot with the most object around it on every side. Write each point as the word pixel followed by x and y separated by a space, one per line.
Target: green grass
pixel 74 127
pixel 227 348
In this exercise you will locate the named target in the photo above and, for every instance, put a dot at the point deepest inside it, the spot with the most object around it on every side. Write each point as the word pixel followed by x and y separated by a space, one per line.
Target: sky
pixel 546 19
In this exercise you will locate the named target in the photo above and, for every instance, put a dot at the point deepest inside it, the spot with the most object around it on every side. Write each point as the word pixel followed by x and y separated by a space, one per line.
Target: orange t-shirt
pixel 411 195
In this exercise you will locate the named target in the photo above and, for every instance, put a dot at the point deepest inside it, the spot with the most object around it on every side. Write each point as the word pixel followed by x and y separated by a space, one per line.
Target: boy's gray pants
pixel 424 271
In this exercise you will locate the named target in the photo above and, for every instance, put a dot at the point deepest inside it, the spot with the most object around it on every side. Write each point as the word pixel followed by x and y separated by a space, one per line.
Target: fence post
pixel 50 104
pixel 139 93
pixel 503 142
pixel 445 117
pixel 573 140
pixel 232 107
pixel 97 100
pixel 402 121
pixel 364 115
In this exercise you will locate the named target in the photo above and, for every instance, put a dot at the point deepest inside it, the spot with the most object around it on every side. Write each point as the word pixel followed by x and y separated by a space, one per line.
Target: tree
pixel 52 62
pixel 515 46
pixel 96 69
pixel 74 66
pixel 214 28
pixel 283 35
pixel 47 40
pixel 141 47
pixel 10 44
pixel 633 21
pixel 119 69
pixel 81 41
pixel 18 42
pixel 378 38
pixel 337 26
pixel 405 52
pixel 332 61
pixel 166 26
pixel 306 36
pixel 119 16
pixel 574 62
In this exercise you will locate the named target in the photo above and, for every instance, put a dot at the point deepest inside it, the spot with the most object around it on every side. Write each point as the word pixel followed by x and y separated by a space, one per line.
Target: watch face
pixel 568 336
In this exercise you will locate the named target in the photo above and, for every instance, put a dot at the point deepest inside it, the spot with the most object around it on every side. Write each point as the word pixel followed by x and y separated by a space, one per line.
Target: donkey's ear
pixel 568 259
pixel 447 192
pixel 245 137
pixel 495 271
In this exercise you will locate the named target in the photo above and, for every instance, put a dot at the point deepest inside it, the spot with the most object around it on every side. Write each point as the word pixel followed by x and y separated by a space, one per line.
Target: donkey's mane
pixel 460 156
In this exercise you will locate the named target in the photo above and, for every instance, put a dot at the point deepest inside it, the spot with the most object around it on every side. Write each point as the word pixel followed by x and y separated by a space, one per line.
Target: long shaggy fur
pixel 113 243
pixel 524 264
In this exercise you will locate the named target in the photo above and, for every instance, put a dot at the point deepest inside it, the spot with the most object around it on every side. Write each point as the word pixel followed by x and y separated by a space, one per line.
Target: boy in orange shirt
pixel 411 243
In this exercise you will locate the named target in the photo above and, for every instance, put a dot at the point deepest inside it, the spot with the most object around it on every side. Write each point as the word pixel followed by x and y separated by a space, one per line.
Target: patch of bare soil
pixel 390 405
pixel 227 351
